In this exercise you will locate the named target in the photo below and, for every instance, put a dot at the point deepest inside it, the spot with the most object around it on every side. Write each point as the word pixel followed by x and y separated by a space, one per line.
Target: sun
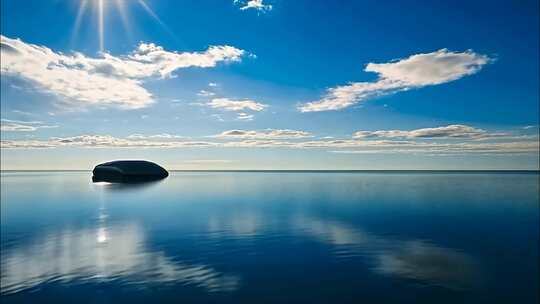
pixel 100 7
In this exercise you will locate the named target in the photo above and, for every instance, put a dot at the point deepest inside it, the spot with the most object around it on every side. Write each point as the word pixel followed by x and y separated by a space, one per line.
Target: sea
pixel 271 237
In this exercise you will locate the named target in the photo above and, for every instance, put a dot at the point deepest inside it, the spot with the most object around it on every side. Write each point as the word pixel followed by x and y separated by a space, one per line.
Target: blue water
pixel 256 237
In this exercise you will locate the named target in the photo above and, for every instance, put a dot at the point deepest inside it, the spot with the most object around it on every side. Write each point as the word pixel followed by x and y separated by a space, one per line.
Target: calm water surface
pixel 252 237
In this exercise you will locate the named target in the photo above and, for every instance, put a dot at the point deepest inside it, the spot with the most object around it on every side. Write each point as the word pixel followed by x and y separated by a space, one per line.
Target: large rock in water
pixel 128 171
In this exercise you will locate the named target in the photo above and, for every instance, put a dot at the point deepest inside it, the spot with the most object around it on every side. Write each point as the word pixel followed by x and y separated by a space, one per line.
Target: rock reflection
pixel 102 254
pixel 126 186
pixel 409 259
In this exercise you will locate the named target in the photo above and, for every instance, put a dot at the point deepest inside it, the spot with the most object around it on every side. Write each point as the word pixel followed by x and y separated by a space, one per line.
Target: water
pixel 254 237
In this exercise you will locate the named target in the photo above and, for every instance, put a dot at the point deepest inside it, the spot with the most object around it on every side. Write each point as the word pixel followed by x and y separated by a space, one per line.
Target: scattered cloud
pixel 217 117
pixel 23 113
pixel 415 71
pixel 264 134
pixel 253 4
pixel 208 161
pixel 350 146
pixel 442 148
pixel 449 140
pixel 105 81
pixel 245 117
pixel 205 93
pixel 450 131
pixel 431 68
pixel 156 136
pixel 7 125
pixel 236 105
pixel 212 84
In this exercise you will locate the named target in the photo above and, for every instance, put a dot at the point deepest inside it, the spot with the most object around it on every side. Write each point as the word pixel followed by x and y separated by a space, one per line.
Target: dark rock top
pixel 128 171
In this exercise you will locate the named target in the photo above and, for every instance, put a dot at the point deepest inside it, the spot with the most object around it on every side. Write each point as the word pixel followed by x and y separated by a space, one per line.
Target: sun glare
pixel 100 8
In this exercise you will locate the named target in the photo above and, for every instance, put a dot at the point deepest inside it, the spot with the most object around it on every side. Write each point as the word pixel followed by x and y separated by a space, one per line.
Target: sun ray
pixel 101 25
pixel 80 14
pixel 121 7
pixel 100 8
pixel 150 12
pixel 156 17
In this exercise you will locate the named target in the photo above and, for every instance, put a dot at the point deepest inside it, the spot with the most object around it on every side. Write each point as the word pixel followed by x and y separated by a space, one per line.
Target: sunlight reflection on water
pixel 118 253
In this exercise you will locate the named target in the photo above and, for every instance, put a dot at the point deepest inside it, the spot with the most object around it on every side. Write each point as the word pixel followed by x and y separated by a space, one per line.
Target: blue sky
pixel 270 84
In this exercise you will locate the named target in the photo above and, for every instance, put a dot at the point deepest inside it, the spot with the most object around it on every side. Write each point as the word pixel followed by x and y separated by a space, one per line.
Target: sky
pixel 271 84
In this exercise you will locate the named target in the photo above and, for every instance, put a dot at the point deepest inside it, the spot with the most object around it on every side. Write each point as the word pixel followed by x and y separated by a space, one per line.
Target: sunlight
pixel 155 16
pixel 101 46
pixel 102 235
pixel 120 6
pixel 101 6
pixel 80 13
pixel 150 11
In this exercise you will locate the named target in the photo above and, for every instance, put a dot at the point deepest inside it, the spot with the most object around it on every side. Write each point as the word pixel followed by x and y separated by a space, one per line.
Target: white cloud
pixel 156 136
pixel 245 117
pixel 443 149
pixel 23 113
pixel 151 60
pixel 254 4
pixel 106 81
pixel 212 84
pixel 7 125
pixel 450 131
pixel 236 105
pixel 217 117
pixel 264 134
pixel 415 71
pixel 262 143
pixel 205 93
pixel 350 146
pixel 431 68
pixel 208 161
pixel 102 141
pixel 456 139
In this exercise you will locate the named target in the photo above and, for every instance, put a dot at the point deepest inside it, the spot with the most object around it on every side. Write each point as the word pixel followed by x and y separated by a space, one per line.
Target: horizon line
pixel 304 170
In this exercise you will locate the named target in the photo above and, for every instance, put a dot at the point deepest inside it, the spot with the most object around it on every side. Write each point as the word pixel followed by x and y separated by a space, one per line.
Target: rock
pixel 128 171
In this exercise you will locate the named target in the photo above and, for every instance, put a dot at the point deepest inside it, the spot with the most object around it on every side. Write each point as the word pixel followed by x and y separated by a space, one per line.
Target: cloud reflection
pixel 103 254
pixel 428 263
pixel 401 258
pixel 409 259
pixel 239 225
